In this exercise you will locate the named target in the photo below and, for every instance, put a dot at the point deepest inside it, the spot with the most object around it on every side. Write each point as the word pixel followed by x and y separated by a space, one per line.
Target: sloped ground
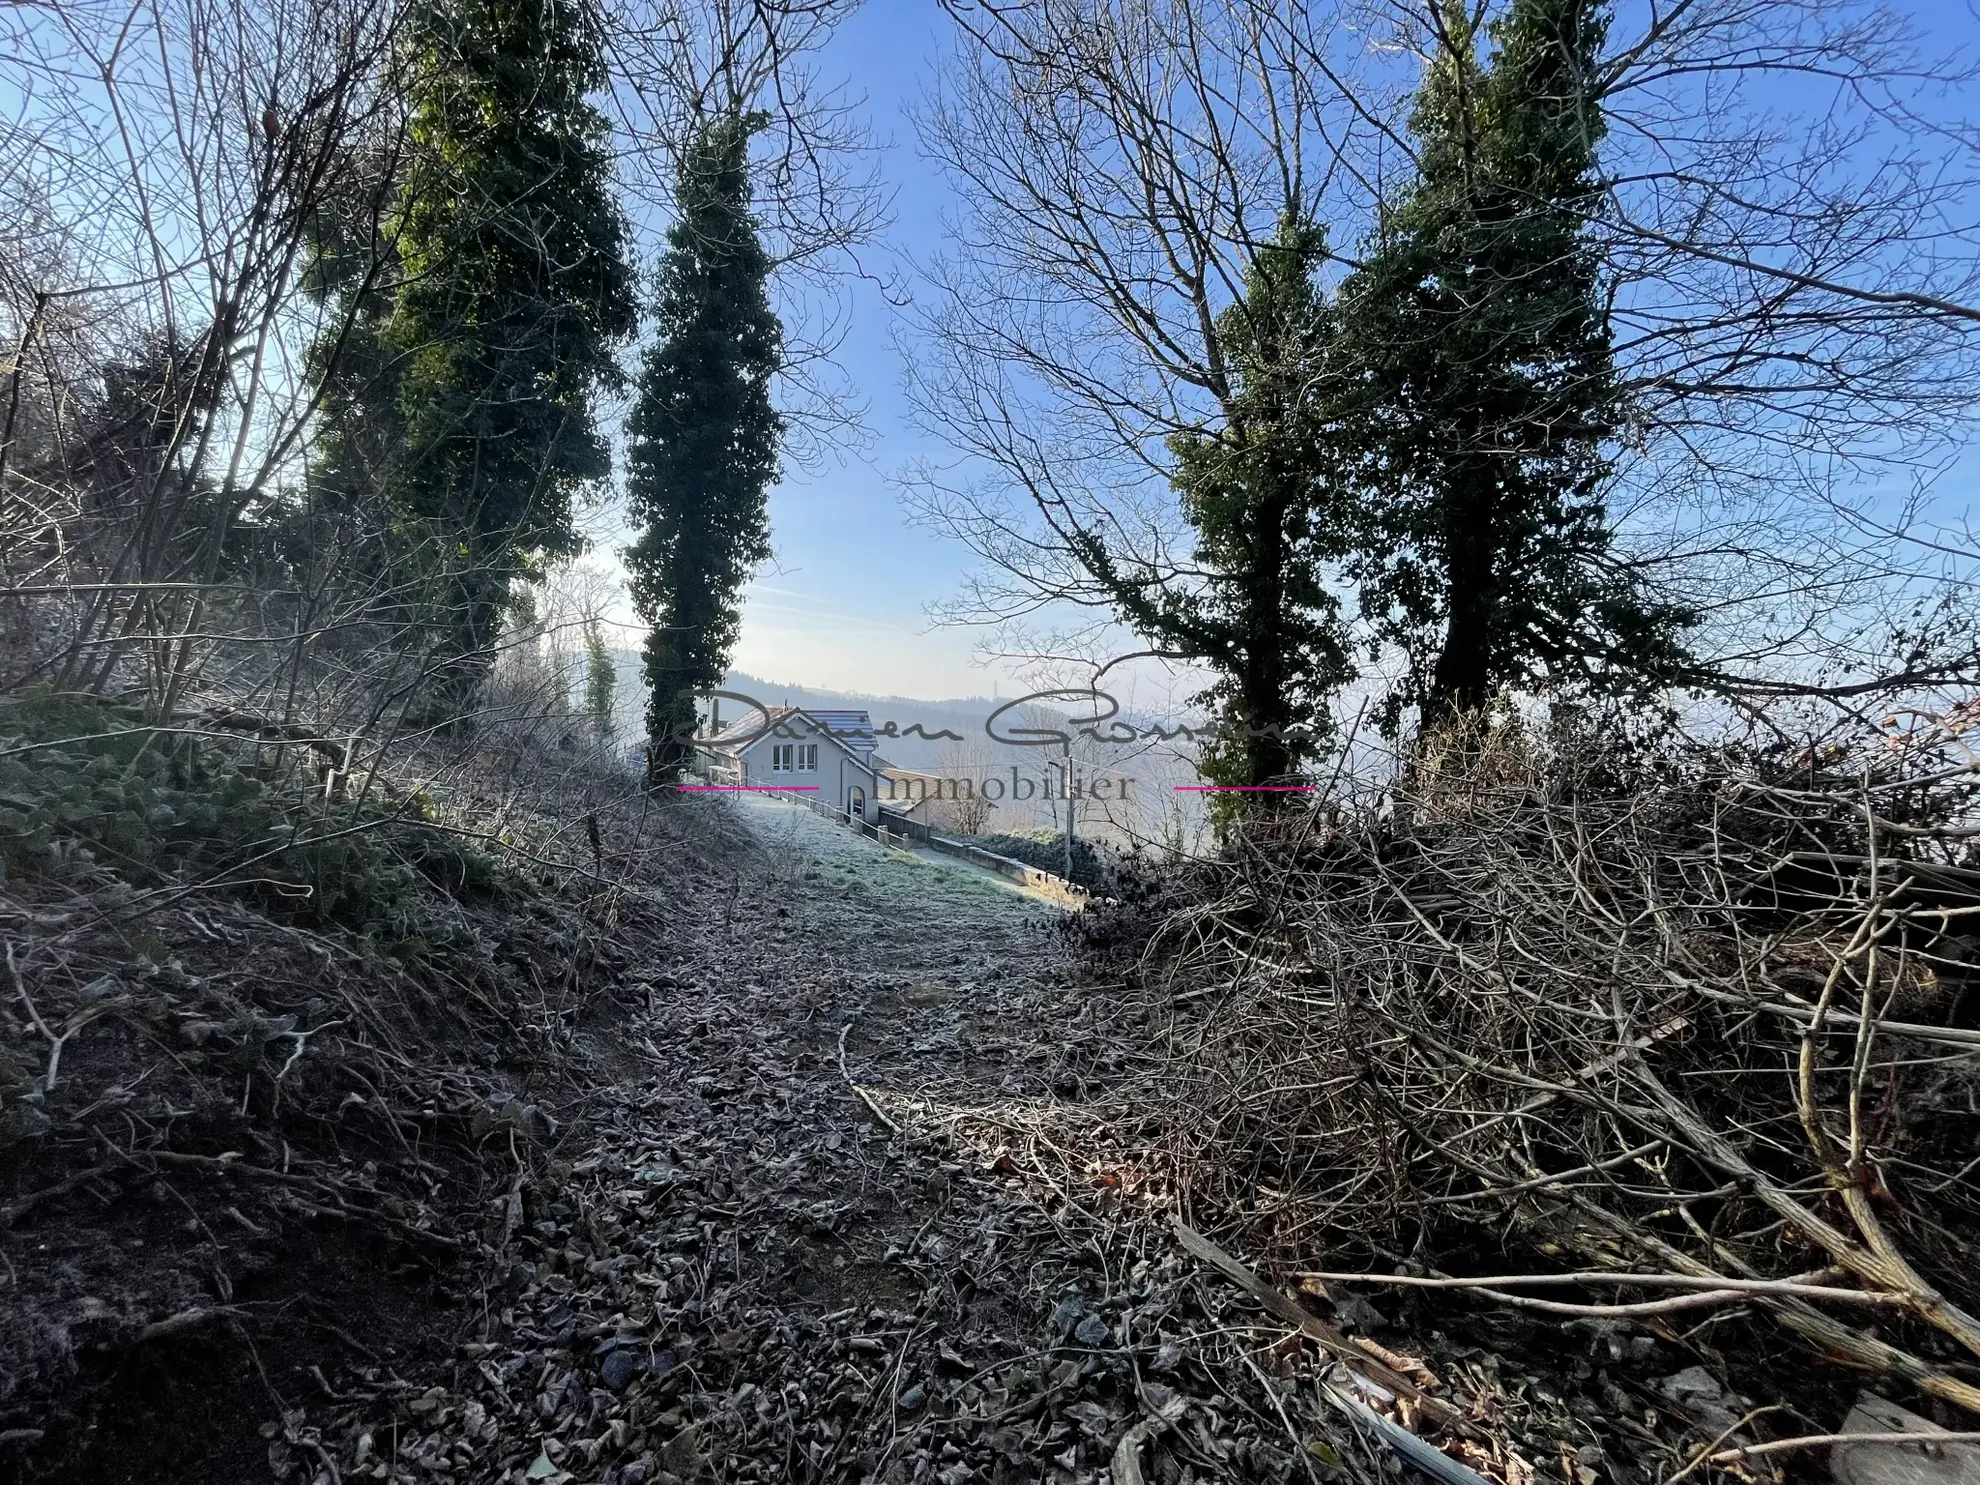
pixel 778 1242
pixel 258 1083
pixel 822 1163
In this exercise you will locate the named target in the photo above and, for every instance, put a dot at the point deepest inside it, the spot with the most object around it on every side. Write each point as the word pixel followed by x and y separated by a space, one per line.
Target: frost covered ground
pixel 800 1231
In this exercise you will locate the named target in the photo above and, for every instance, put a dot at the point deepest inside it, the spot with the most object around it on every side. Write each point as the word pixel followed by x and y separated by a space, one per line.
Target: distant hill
pixel 963 716
pixel 1157 812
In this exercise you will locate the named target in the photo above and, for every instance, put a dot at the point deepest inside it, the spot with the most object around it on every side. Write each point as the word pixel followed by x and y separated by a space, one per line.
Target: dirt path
pixel 765 1252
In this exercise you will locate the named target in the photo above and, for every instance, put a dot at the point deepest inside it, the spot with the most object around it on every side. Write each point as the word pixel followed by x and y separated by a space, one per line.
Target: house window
pixel 780 757
pixel 807 757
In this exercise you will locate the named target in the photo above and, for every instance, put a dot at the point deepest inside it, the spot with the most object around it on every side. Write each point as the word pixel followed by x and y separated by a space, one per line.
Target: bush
pixel 1709 1017
pixel 90 793
pixel 1093 865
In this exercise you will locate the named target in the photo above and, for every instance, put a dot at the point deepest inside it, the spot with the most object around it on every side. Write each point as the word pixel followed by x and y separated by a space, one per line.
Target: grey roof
pixel 852 731
pixel 750 728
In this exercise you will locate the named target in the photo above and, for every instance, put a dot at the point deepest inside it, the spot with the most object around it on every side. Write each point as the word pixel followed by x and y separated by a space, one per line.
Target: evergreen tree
pixel 600 679
pixel 130 461
pixel 1261 495
pixel 1475 336
pixel 353 273
pixel 703 438
pixel 515 292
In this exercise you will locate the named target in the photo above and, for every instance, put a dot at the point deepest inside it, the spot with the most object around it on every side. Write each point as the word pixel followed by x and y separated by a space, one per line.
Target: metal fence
pixel 898 832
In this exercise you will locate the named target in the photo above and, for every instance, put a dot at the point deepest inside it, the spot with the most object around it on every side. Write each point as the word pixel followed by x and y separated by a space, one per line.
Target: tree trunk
pixel 670 726
pixel 1462 679
pixel 1267 712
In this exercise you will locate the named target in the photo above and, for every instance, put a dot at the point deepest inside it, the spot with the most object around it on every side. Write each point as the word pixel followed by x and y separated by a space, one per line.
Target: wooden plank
pixel 1324 1335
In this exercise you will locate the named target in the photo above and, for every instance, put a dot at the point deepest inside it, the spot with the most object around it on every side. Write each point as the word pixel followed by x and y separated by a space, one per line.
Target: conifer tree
pixel 353 273
pixel 515 292
pixel 703 438
pixel 1487 408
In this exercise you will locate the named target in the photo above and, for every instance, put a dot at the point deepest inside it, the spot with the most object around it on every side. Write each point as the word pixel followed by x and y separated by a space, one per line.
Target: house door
pixel 856 803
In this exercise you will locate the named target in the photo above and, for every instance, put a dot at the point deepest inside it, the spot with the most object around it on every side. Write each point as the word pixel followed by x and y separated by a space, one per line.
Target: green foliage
pixel 515 292
pixel 1483 401
pixel 600 679
pixel 354 271
pixel 1261 494
pixel 89 795
pixel 704 438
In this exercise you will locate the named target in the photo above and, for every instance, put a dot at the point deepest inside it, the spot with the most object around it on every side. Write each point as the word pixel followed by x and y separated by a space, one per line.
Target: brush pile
pixel 1693 1035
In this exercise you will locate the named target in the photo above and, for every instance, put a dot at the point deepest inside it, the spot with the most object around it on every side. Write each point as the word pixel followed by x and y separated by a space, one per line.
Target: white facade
pixel 824 756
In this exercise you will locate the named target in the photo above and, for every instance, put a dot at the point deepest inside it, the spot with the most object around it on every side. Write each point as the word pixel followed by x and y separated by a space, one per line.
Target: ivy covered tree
pixel 1260 492
pixel 515 292
pixel 353 272
pixel 1486 407
pixel 703 438
pixel 601 679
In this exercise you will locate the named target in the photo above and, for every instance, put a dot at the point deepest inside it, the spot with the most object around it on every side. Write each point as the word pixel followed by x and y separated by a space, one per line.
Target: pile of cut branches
pixel 1698 1033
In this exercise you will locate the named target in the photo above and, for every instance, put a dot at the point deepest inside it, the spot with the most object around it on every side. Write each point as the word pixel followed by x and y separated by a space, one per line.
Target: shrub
pixel 91 793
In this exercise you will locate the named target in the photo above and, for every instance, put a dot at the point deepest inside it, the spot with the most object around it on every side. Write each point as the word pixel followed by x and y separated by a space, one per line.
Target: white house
pixel 827 755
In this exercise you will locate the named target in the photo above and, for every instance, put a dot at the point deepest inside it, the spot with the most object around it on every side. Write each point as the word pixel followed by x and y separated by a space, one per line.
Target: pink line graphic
pixel 1245 788
pixel 747 788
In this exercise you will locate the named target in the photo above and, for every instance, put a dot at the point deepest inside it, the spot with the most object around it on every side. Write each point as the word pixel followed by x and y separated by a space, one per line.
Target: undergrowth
pixel 268 1038
pixel 89 794
pixel 1541 1004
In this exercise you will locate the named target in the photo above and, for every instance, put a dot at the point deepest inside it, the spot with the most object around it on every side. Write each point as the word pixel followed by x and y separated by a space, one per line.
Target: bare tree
pixel 1794 290
pixel 1793 294
pixel 184 179
pixel 961 772
pixel 1122 166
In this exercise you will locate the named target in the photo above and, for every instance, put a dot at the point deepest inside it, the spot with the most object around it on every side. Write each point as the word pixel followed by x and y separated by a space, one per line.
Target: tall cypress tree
pixel 703 438
pixel 1476 335
pixel 515 292
pixel 600 678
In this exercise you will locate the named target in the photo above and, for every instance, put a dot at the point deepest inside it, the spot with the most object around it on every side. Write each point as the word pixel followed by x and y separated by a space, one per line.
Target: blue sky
pixel 843 604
